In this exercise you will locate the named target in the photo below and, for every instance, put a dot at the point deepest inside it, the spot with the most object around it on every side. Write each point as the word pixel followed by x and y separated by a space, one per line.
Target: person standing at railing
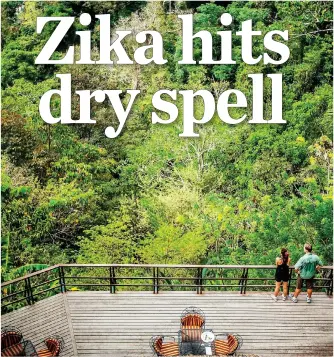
pixel 306 268
pixel 282 274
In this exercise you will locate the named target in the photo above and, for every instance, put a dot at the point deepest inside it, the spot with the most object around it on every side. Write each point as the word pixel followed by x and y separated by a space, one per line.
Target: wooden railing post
pixel 241 281
pixel 62 279
pixel 28 291
pixel 155 280
pixel 199 280
pixel 245 280
pixel 112 280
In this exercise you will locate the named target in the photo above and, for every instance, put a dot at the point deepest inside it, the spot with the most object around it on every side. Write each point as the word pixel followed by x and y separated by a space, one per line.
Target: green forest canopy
pixel 235 195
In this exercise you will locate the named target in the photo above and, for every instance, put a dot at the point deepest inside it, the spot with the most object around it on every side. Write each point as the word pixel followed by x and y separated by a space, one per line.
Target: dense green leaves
pixel 236 194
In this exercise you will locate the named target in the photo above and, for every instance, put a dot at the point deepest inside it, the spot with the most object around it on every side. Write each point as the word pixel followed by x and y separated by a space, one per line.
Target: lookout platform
pixel 98 323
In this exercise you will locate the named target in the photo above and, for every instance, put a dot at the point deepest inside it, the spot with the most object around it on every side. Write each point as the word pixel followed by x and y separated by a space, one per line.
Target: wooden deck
pixel 45 318
pixel 120 325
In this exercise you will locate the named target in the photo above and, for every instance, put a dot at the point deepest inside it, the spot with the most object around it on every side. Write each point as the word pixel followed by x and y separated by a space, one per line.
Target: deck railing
pixel 113 277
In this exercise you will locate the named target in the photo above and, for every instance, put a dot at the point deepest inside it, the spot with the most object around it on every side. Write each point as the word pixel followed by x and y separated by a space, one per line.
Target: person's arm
pixel 289 261
pixel 298 265
pixel 278 261
pixel 319 264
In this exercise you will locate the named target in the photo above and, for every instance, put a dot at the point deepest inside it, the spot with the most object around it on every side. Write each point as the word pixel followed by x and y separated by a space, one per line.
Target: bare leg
pixel 309 293
pixel 277 289
pixel 285 288
pixel 297 292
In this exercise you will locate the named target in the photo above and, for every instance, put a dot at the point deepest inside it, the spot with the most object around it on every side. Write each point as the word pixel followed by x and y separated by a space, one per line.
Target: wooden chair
pixel 11 341
pixel 13 350
pixel 54 346
pixel 161 348
pixel 192 323
pixel 24 348
pixel 228 346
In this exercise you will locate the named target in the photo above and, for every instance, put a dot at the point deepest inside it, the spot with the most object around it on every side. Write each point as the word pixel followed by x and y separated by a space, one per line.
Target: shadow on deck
pixel 104 324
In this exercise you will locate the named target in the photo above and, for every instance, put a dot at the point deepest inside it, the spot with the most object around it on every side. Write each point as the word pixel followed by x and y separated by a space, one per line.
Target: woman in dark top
pixel 282 274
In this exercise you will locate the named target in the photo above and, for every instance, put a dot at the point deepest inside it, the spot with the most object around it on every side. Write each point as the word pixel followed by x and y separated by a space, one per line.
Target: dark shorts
pixel 282 277
pixel 300 281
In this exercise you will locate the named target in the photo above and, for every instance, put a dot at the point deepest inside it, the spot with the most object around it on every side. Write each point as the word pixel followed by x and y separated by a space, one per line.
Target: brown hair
pixel 308 247
pixel 284 255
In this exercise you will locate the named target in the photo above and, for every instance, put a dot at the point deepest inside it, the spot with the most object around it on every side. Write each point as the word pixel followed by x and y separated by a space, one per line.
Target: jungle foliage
pixel 235 195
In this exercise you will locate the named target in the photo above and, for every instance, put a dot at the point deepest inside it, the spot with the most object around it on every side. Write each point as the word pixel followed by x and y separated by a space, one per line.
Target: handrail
pixel 156 277
pixel 38 272
pixel 181 266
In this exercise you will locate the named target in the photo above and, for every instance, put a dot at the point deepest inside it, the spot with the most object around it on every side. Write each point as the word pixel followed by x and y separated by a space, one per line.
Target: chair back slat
pixel 191 334
pixel 14 350
pixel 192 320
pixel 232 343
pixel 157 344
pixel 226 346
pixel 53 346
pixel 10 338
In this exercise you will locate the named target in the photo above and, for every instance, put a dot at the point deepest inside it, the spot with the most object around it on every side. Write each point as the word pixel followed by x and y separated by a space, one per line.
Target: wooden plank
pixel 43 319
pixel 70 326
pixel 121 324
pixel 138 315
